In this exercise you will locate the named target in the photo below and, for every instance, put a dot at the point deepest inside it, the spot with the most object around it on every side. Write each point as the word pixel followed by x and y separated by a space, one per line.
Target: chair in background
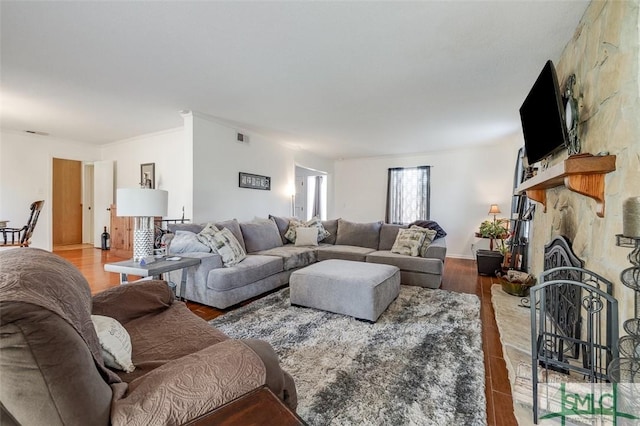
pixel 22 236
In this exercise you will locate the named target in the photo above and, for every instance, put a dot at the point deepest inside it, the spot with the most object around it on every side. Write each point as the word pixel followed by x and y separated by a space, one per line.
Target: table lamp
pixel 143 204
pixel 494 210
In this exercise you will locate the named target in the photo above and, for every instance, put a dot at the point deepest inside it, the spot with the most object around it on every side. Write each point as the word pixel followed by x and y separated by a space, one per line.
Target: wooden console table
pixel 583 173
pixel 257 408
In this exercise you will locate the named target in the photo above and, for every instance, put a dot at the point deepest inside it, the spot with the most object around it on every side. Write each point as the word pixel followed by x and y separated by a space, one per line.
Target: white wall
pixel 217 160
pixel 173 169
pixel 26 167
pixel 464 183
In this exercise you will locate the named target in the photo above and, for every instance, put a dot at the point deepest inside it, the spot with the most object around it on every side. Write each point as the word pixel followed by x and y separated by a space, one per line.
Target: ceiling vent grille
pixel 242 138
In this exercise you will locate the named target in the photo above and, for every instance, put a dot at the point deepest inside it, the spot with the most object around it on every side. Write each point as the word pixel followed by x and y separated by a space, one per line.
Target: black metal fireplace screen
pixel 574 320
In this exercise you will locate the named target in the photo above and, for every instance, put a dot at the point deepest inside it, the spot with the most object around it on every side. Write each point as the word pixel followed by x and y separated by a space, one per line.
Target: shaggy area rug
pixel 421 363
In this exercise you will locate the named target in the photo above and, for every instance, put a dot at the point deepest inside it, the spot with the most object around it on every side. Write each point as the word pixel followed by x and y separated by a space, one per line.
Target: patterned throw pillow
pixel 429 236
pixel 408 242
pixel 291 231
pixel 206 236
pixel 227 246
pixel 224 243
pixel 322 233
pixel 314 222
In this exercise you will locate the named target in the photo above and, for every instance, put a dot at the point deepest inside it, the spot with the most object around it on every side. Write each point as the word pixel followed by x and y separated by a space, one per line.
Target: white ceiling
pixel 340 79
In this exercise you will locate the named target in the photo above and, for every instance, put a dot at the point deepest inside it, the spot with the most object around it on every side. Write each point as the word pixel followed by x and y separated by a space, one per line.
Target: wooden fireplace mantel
pixel 583 173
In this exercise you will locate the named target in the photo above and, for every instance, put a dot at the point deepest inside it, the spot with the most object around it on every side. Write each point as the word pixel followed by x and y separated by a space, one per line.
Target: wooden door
pixel 121 234
pixel 67 202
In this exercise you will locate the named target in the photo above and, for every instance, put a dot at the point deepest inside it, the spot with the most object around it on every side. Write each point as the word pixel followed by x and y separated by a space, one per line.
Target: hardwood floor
pixel 460 275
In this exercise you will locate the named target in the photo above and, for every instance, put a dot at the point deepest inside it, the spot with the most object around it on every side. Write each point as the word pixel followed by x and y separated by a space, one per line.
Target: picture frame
pixel 148 175
pixel 251 181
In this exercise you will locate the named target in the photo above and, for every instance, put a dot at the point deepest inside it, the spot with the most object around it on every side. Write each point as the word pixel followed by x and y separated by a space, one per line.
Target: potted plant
pixel 496 229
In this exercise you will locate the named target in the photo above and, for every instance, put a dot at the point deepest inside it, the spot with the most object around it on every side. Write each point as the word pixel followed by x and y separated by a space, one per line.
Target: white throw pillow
pixel 408 242
pixel 115 343
pixel 306 236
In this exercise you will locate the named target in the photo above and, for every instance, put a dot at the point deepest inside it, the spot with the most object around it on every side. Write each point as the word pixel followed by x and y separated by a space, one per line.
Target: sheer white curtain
pixel 408 194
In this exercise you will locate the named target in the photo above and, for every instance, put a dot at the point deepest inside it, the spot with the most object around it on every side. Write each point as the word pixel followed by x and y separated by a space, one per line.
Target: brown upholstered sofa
pixel 52 371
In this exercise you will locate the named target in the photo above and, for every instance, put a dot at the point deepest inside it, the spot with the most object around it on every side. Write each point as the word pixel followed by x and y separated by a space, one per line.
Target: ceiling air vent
pixel 33 132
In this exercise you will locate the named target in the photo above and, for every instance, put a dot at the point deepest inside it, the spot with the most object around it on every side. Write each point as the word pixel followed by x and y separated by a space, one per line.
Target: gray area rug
pixel 421 363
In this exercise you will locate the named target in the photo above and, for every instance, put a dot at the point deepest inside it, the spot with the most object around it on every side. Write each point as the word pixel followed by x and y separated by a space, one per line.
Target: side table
pixel 154 269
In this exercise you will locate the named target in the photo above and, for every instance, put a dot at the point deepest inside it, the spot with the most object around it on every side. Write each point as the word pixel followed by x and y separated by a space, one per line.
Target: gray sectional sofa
pixel 271 258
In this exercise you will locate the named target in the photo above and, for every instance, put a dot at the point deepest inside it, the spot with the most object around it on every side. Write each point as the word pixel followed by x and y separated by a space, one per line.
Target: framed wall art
pixel 248 180
pixel 148 175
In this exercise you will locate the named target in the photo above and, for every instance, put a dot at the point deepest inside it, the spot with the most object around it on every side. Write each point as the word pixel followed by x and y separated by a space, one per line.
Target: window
pixel 408 194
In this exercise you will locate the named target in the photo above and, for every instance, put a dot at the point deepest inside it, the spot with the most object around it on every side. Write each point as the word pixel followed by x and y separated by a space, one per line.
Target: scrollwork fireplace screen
pixel 248 180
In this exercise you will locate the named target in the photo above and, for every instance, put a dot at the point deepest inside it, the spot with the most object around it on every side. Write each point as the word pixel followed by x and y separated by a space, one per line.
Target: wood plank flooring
pixel 460 275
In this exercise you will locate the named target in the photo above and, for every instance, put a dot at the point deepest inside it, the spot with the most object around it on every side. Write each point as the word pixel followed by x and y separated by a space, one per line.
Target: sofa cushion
pixel 260 234
pixel 253 268
pixel 332 228
pixel 292 256
pixel 430 224
pixel 359 254
pixel 358 234
pixel 437 249
pixel 407 263
pixel 408 242
pixel 187 242
pixel 388 234
pixel 283 224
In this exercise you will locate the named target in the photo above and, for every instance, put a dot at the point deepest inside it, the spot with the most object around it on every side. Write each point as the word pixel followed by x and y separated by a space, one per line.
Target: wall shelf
pixel 583 173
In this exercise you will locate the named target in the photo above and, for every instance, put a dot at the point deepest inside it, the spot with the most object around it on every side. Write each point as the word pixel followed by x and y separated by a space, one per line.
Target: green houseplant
pixel 496 229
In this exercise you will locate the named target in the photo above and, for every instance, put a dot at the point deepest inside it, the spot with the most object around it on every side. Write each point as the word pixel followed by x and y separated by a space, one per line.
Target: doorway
pixel 67 202
pixel 311 194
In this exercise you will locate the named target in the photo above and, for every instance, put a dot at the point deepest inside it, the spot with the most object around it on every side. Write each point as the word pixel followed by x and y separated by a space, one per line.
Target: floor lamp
pixel 144 205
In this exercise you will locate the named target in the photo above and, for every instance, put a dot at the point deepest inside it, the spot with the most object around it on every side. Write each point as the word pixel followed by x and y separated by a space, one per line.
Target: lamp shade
pixel 494 209
pixel 141 202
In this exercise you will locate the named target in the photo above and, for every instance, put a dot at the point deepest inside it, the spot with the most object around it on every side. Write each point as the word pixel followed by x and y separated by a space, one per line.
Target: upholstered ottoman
pixel 358 289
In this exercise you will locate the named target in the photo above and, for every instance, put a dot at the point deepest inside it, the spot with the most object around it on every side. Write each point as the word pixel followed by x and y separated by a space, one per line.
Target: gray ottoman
pixel 359 289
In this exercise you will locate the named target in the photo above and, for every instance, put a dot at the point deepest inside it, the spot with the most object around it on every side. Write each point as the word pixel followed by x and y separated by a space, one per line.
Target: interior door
pixel 67 202
pixel 301 198
pixel 87 204
pixel 103 184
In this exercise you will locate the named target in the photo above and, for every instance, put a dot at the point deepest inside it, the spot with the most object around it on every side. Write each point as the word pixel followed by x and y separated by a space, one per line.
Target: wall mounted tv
pixel 542 116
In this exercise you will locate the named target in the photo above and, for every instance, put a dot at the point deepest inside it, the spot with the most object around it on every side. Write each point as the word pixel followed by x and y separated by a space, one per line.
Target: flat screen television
pixel 543 117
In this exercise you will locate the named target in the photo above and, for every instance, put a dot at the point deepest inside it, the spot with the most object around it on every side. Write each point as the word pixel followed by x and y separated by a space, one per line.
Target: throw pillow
pixel 429 236
pixel 187 242
pixel 306 236
pixel 408 242
pixel 115 343
pixel 314 222
pixel 317 223
pixel 228 247
pixel 206 236
pixel 291 230
pixel 430 224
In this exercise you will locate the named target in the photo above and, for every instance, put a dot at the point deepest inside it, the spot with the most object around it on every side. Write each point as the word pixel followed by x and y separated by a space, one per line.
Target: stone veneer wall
pixel 603 54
